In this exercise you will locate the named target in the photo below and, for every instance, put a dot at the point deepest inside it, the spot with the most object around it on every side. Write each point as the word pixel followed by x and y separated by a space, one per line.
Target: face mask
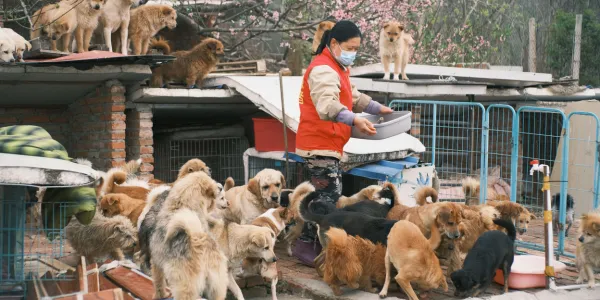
pixel 346 57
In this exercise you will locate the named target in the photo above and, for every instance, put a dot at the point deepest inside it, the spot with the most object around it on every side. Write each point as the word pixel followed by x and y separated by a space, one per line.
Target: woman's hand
pixel 385 110
pixel 364 126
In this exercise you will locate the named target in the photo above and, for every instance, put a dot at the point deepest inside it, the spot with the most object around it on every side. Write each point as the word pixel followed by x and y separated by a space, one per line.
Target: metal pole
pixel 285 139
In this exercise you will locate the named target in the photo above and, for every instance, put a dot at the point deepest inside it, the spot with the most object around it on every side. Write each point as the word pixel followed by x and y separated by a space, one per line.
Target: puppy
pixel 588 248
pixel 145 22
pixel 295 198
pixel 513 212
pixel 21 44
pixel 249 201
pixel 183 252
pixel 323 26
pixel 112 183
pixel 7 48
pixel 413 257
pixel 115 16
pixel 103 236
pixel 352 261
pixel 556 215
pixel 121 204
pixel 88 16
pixel 240 241
pixel 57 22
pixel 493 250
pixel 191 66
pixel 394 44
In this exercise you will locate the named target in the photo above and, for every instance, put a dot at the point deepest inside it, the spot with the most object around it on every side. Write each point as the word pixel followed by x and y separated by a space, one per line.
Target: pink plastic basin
pixel 527 272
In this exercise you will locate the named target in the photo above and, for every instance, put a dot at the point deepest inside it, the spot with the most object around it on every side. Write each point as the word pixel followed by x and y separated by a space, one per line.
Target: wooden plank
pixel 40 50
pixel 93 278
pixel 114 294
pixel 69 286
pixel 51 284
pixel 56 264
pixel 106 284
pixel 140 286
pixel 81 278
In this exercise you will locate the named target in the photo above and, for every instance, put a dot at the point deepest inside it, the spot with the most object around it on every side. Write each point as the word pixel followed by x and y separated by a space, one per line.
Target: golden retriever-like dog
pixel 182 250
pixel 323 26
pixel 57 23
pixel 588 248
pixel 145 22
pixel 121 204
pixel 113 183
pixel 249 201
pixel 413 257
pixel 353 261
pixel 88 17
pixel 394 44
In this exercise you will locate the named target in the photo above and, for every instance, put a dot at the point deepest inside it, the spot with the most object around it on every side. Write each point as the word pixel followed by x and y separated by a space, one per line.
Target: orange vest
pixel 314 133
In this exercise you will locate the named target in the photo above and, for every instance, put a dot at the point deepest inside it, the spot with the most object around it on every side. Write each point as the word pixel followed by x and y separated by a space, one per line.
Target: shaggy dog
pixel 121 204
pixel 88 16
pixel 493 250
pixel 394 44
pixel 241 241
pixel 103 236
pixel 352 261
pixel 147 224
pixel 556 210
pixel 323 26
pixel 190 66
pixel 588 248
pixel 112 183
pixel 57 23
pixel 182 251
pixel 115 16
pixel 413 257
pixel 145 22
pixel 515 213
pixel 295 198
pixel 477 220
pixel 250 201
pixel 21 44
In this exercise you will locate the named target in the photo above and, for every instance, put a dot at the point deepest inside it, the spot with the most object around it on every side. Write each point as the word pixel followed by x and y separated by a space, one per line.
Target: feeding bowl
pixel 528 272
pixel 386 125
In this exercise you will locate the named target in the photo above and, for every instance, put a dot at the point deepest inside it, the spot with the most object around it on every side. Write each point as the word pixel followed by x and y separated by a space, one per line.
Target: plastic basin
pixel 528 272
pixel 386 125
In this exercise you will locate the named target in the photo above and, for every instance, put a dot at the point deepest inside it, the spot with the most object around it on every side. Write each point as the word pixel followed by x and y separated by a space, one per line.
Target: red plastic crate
pixel 268 136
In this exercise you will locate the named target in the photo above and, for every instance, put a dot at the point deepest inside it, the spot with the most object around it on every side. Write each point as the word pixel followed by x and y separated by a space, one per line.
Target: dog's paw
pixel 396 76
pixel 591 284
pixel 386 76
pixel 382 295
pixel 404 77
pixel 579 280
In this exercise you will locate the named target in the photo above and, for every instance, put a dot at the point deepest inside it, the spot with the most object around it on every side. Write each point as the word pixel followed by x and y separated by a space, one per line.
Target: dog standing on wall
pixel 145 22
pixel 56 21
pixel 115 16
pixel 88 17
pixel 394 44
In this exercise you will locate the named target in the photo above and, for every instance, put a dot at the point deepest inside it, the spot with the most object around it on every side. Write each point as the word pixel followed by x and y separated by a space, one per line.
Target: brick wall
pixel 54 120
pixel 139 138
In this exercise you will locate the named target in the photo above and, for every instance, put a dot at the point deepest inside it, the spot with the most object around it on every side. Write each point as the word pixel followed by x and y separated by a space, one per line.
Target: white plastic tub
pixel 386 125
pixel 528 272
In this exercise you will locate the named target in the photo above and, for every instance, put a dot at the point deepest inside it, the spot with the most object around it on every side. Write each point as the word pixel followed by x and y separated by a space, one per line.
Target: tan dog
pixel 145 22
pixel 21 44
pixel 249 201
pixel 121 204
pixel 57 23
pixel 323 26
pixel 369 193
pixel 296 197
pixel 116 16
pixel 241 241
pixel 477 220
pixel 191 66
pixel 588 248
pixel 192 165
pixel 88 17
pixel 182 251
pixel 111 184
pixel 394 44
pixel 446 215
pixel 413 257
pixel 513 212
pixel 352 261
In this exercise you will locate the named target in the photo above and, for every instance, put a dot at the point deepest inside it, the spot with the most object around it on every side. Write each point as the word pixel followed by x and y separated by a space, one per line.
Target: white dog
pixel 7 47
pixel 21 44
pixel 115 16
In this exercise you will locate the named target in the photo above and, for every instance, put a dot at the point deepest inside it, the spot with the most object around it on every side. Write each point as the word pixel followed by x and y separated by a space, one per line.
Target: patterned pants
pixel 326 176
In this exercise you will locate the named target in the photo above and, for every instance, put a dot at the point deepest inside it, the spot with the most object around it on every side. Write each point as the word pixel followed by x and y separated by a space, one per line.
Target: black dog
pixel 374 208
pixel 493 250
pixel 570 213
pixel 354 223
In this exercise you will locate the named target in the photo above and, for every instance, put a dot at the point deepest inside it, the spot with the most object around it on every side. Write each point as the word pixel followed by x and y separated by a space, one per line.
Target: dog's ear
pixel 113 199
pixel 532 216
pixel 282 181
pixel 27 45
pixel 259 240
pixel 386 25
pixel 166 10
pixel 64 27
pixel 254 187
pixel 584 216
pixel 596 226
pixel 212 45
pixel 209 192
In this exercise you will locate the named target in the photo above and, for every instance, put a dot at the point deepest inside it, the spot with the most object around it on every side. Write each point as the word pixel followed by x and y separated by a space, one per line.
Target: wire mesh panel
pixel 224 156
pixel 298 171
pixel 452 135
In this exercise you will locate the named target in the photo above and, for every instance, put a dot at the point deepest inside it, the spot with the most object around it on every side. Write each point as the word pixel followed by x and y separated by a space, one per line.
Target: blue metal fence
pixel 499 141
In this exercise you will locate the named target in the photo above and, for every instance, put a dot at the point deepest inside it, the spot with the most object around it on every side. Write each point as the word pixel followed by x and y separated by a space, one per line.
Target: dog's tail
pixel 161 45
pixel 150 201
pixel 424 192
pixel 229 183
pixel 113 176
pixel 470 188
pixel 132 166
pixel 340 259
pixel 509 226
pixel 306 213
pixel 304 188
pixel 390 191
pixel 186 221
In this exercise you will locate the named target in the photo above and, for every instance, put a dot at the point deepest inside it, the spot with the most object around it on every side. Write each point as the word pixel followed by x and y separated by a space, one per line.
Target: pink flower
pixel 304 36
pixel 252 18
pixel 276 15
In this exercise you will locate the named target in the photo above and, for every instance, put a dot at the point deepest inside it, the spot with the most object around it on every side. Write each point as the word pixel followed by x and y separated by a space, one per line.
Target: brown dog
pixel 394 44
pixel 588 248
pixel 296 197
pixel 121 204
pixel 446 215
pixel 514 212
pixel 191 166
pixel 110 185
pixel 323 26
pixel 57 23
pixel 413 257
pixel 352 261
pixel 191 66
pixel 145 22
pixel 88 17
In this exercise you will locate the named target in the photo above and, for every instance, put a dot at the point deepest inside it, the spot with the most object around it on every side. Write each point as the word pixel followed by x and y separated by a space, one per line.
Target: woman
pixel 328 103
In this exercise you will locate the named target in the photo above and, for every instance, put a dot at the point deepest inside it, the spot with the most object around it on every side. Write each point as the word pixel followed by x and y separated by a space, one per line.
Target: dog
pixel 57 22
pixel 182 251
pixel 394 44
pixel 268 271
pixel 88 17
pixel 145 22
pixel 121 204
pixel 21 44
pixel 477 220
pixel 7 48
pixel 353 261
pixel 323 26
pixel 249 201
pixel 295 198
pixel 587 256
pixel 103 236
pixel 161 45
pixel 241 241
pixel 447 216
pixel 115 16
pixel 556 213
pixel 112 183
pixel 515 213
pixel 493 250
pixel 190 66
pixel 413 257
pixel 147 224
pixel 190 166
